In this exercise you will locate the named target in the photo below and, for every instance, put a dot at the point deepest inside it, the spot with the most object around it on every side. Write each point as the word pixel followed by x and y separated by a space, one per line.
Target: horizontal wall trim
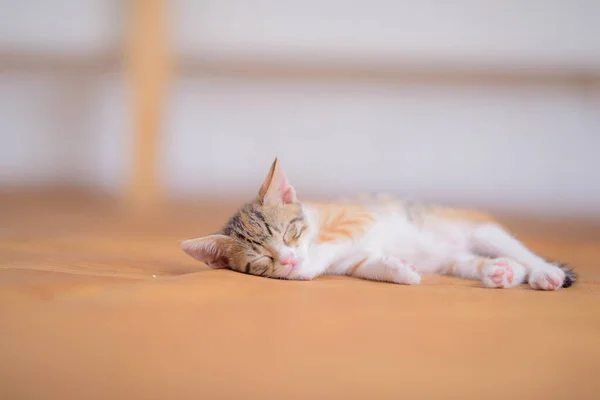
pixel 401 72
pixel 188 66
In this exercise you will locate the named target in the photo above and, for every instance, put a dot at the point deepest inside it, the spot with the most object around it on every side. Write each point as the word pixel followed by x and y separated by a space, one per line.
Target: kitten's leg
pixel 492 240
pixel 387 268
pixel 493 272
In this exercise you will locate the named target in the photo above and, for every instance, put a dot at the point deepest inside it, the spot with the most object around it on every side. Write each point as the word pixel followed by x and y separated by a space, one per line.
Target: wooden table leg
pixel 148 70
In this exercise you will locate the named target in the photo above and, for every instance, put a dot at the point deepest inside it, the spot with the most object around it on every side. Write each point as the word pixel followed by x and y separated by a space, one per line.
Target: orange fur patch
pixel 480 265
pixel 342 222
pixel 357 266
pixel 463 215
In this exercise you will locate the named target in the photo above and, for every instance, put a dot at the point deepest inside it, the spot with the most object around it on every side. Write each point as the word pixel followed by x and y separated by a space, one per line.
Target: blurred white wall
pixel 557 34
pixel 518 130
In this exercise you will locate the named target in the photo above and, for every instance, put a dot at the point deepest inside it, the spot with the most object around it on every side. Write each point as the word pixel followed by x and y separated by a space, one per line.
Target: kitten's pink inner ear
pixel 276 189
pixel 208 249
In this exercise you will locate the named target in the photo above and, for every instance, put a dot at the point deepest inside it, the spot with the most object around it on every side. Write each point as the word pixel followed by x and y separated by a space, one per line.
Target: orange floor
pixel 97 303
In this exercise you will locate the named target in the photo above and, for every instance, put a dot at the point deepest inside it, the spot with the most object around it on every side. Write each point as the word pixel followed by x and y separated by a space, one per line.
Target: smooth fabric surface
pixel 98 303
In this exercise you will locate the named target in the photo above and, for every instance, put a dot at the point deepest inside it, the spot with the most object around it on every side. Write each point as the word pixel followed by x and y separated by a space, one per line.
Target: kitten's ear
pixel 276 189
pixel 212 250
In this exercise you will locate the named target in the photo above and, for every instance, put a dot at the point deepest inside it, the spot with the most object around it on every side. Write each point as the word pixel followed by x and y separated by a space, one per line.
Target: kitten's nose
pixel 289 260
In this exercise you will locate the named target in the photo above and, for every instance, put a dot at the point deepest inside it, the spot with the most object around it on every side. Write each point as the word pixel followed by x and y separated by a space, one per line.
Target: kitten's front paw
pixel 502 273
pixel 406 273
pixel 549 277
pixel 301 277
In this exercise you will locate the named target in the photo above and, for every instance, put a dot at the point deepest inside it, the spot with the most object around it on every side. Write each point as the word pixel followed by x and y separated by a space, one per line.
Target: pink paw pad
pixel 498 275
pixel 553 282
pixel 509 274
pixel 503 273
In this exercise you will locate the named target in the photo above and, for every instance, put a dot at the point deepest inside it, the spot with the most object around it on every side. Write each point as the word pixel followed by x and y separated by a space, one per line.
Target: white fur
pixel 398 250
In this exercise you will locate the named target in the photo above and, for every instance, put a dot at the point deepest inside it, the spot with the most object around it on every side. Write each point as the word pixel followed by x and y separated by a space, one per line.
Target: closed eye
pixel 294 230
pixel 262 258
pixel 262 268
pixel 299 232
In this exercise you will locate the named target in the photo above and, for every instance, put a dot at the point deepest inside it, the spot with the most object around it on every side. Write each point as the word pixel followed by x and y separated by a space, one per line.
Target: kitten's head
pixel 265 237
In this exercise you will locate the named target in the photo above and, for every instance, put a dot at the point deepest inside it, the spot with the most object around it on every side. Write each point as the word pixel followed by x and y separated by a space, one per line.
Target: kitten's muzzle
pixel 289 261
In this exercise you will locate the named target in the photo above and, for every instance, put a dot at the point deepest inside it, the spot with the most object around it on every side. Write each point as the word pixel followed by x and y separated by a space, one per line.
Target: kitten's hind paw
pixel 502 273
pixel 548 278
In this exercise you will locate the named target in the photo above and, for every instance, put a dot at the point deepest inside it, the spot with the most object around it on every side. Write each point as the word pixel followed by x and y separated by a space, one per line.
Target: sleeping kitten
pixel 374 238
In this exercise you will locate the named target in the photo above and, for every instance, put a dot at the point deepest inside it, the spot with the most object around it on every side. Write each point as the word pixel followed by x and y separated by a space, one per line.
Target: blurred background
pixel 486 103
pixel 127 126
